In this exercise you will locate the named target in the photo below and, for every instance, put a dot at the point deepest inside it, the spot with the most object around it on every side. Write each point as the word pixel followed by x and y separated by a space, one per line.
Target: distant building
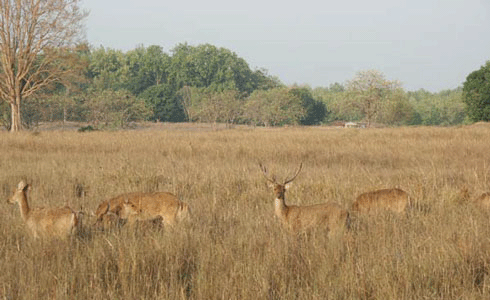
pixel 355 125
pixel 351 125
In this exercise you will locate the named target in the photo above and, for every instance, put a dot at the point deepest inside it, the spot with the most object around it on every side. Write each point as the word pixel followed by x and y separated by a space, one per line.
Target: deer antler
pixel 296 174
pixel 266 174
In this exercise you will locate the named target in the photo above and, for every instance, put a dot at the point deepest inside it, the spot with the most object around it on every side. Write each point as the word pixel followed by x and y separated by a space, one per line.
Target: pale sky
pixel 429 44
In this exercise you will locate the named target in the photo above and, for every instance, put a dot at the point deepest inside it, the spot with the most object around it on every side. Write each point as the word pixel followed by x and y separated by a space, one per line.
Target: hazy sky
pixel 430 44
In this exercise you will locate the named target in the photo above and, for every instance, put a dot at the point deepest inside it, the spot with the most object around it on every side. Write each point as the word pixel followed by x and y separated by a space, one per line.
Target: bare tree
pixel 36 40
pixel 185 94
pixel 367 90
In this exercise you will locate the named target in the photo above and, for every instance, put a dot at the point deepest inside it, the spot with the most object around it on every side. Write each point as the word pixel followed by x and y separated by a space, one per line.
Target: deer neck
pixel 24 206
pixel 280 207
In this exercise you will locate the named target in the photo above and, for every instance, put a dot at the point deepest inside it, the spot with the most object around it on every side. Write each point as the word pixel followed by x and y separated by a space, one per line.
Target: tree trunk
pixel 15 110
pixel 67 95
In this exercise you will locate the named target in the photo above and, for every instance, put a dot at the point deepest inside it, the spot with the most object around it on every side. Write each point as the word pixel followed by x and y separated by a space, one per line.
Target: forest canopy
pixel 205 83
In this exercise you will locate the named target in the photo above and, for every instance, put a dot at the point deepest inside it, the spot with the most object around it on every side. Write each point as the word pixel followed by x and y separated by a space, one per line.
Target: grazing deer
pixel 46 222
pixel 109 221
pixel 483 200
pixel 330 216
pixel 118 216
pixel 395 200
pixel 152 206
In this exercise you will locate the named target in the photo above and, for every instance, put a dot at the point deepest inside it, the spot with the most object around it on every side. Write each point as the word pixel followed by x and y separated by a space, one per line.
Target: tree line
pixel 204 83
pixel 47 74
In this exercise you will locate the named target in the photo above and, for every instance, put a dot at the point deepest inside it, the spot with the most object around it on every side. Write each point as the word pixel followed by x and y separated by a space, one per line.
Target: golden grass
pixel 235 248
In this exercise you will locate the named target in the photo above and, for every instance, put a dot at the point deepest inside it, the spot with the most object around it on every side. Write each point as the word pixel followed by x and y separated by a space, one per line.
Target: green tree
pixel 261 80
pixel 36 42
pixel 115 109
pixel 315 110
pixel 207 105
pixel 225 105
pixel 164 103
pixel 108 69
pixel 219 69
pixel 476 94
pixel 443 108
pixel 274 107
pixel 334 97
pixel 186 99
pixel 395 109
pixel 146 67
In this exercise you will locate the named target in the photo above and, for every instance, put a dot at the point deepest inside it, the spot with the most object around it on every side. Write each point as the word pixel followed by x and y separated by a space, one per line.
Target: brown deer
pixel 483 201
pixel 152 205
pixel 329 216
pixel 45 222
pixel 394 199
pixel 118 216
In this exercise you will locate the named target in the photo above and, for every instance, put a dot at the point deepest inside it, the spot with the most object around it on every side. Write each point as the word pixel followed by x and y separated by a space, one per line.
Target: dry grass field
pixel 234 247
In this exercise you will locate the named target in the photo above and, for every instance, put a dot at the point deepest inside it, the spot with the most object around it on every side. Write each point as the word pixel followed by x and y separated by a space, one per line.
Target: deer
pixel 118 216
pixel 59 222
pixel 394 199
pixel 297 219
pixel 483 201
pixel 154 205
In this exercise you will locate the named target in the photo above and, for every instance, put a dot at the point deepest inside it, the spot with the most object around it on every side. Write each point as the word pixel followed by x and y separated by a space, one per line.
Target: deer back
pixel 59 222
pixel 330 216
pixel 395 200
pixel 483 200
pixel 152 205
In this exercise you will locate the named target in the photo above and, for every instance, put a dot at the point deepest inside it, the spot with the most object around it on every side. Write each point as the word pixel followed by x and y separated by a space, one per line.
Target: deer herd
pixel 165 209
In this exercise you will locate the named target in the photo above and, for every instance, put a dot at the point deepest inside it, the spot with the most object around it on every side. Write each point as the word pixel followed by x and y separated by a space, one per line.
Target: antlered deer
pixel 46 222
pixel 395 200
pixel 329 216
pixel 152 206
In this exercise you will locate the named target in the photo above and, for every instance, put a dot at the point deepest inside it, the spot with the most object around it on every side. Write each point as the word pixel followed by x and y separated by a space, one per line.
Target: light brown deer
pixel 152 206
pixel 117 217
pixel 329 216
pixel 483 201
pixel 45 222
pixel 394 199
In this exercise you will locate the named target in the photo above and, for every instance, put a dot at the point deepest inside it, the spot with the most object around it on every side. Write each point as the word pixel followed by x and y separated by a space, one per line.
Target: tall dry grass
pixel 235 248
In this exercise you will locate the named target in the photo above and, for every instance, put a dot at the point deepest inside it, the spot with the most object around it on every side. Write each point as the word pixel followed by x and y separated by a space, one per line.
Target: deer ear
pixel 105 208
pixel 22 185
pixel 287 185
pixel 270 184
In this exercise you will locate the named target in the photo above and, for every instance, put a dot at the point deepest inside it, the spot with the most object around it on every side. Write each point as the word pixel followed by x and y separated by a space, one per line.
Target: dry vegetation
pixel 235 248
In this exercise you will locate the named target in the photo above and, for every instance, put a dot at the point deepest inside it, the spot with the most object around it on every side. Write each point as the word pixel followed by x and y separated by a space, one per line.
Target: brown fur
pixel 149 224
pixel 395 200
pixel 117 217
pixel 109 221
pixel 126 210
pixel 329 216
pixel 152 205
pixel 46 222
pixel 483 200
